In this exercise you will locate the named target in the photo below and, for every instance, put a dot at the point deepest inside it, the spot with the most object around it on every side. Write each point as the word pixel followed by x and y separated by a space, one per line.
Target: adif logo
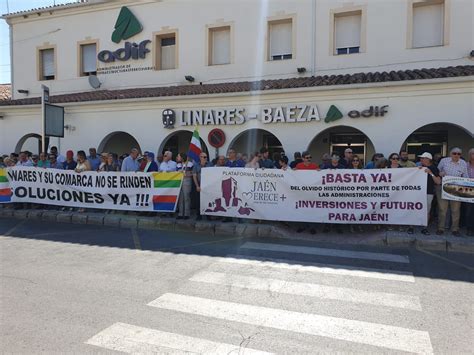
pixel 126 26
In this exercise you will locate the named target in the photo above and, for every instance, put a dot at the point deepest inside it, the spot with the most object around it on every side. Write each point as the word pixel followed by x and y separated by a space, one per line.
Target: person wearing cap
pixel 429 168
pixel 335 163
pixel 451 166
pixel 131 162
pixel 69 163
pixel 325 159
pixel 150 163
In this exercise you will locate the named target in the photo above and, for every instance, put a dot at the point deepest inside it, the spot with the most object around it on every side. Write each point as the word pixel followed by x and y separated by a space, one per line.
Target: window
pixel 281 39
pixel 347 33
pixel 219 45
pixel 88 61
pixel 166 51
pixel 428 24
pixel 46 64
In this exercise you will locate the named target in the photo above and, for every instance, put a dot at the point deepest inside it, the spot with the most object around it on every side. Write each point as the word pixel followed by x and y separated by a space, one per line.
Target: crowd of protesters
pixel 449 214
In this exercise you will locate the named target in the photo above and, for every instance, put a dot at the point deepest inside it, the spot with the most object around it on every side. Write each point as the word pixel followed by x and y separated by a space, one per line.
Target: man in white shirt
pixel 23 160
pixel 167 165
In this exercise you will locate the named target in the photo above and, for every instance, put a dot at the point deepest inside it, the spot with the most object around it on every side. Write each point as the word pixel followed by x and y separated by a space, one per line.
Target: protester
pixel 254 161
pixel 203 163
pixel 35 160
pixel 59 158
pixel 394 160
pixel 53 163
pixel 335 163
pixel 284 163
pixel 325 159
pixel 93 159
pixel 167 164
pixel 346 161
pixel 131 163
pixel 371 163
pixel 451 166
pixel 265 162
pixel 433 179
pixel 381 163
pixel 43 161
pixel 306 164
pixel 276 160
pixel 69 163
pixel 404 162
pixel 111 164
pixel 23 160
pixel 220 161
pixel 103 161
pixel 232 161
pixel 8 162
pixel 184 201
pixel 298 159
pixel 82 162
pixel 151 164
pixel 356 163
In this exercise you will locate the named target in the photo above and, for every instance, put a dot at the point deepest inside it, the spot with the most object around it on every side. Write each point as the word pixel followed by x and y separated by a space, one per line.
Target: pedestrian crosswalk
pixel 281 284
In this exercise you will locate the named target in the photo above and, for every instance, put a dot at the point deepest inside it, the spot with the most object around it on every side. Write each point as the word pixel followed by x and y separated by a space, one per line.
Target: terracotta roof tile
pixel 232 87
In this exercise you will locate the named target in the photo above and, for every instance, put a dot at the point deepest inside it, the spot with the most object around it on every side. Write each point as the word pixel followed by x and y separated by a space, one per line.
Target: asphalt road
pixel 84 289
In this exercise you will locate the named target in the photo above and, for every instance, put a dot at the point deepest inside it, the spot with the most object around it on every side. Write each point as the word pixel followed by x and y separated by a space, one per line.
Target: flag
pixel 195 146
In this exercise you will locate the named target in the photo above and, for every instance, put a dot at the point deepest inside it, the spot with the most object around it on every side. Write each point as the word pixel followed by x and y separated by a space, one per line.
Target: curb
pixel 250 230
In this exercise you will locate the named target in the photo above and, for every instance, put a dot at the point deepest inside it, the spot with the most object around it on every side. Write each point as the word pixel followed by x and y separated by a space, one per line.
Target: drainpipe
pixel 313 37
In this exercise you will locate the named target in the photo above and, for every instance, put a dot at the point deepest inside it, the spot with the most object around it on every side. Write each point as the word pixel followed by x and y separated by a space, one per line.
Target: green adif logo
pixel 126 26
pixel 333 114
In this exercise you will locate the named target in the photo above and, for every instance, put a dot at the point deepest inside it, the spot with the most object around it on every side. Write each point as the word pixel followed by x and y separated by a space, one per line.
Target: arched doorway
pixel 30 142
pixel 118 142
pixel 178 142
pixel 339 138
pixel 251 140
pixel 438 138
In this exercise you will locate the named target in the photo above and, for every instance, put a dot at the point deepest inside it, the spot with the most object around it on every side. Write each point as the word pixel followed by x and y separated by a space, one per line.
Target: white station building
pixel 317 75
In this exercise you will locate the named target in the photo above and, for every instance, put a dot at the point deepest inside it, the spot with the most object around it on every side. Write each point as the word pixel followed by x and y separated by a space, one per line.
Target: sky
pixel 14 6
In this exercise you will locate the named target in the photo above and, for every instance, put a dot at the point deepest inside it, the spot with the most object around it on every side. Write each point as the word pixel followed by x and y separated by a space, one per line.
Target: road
pixel 85 289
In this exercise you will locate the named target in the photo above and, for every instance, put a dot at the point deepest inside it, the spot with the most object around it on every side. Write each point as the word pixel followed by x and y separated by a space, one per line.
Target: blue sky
pixel 13 6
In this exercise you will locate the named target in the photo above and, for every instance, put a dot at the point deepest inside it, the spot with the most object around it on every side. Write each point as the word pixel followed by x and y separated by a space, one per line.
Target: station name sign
pixel 267 115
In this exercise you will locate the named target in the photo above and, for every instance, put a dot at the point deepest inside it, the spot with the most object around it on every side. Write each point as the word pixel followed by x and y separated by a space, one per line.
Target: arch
pixel 28 140
pixel 178 142
pixel 437 138
pixel 251 140
pixel 118 142
pixel 336 139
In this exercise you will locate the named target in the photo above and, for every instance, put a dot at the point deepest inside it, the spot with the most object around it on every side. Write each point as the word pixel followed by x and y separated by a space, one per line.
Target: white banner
pixel 458 189
pixel 387 196
pixel 108 190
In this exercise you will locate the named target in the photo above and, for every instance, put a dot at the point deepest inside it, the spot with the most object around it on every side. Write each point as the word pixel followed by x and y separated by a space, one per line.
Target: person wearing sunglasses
pixel 394 161
pixel 306 164
pixel 356 163
pixel 53 162
pixel 451 166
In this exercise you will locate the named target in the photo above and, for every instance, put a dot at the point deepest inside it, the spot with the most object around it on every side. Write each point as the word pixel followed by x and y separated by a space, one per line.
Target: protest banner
pixel 388 196
pixel 156 192
pixel 458 189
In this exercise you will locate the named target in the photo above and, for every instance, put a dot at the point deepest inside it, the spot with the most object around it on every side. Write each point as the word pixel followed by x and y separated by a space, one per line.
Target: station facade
pixel 289 76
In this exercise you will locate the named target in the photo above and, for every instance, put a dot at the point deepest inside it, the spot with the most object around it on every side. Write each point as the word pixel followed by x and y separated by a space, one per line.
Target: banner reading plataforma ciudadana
pixel 109 190
pixel 378 196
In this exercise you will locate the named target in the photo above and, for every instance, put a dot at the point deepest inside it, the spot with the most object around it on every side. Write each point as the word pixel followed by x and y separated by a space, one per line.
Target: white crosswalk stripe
pixel 391 337
pixel 332 269
pixel 327 252
pixel 310 289
pixel 138 340
pixel 237 274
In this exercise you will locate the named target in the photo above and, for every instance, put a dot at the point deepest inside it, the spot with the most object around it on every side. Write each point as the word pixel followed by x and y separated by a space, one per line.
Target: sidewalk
pixel 248 229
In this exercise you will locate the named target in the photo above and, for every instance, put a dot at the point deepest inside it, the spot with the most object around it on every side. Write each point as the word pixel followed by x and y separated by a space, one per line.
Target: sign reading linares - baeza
pixel 388 196
pixel 124 191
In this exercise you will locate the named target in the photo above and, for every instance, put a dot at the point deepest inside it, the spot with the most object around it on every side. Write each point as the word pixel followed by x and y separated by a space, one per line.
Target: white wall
pixel 386 41
pixel 410 107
